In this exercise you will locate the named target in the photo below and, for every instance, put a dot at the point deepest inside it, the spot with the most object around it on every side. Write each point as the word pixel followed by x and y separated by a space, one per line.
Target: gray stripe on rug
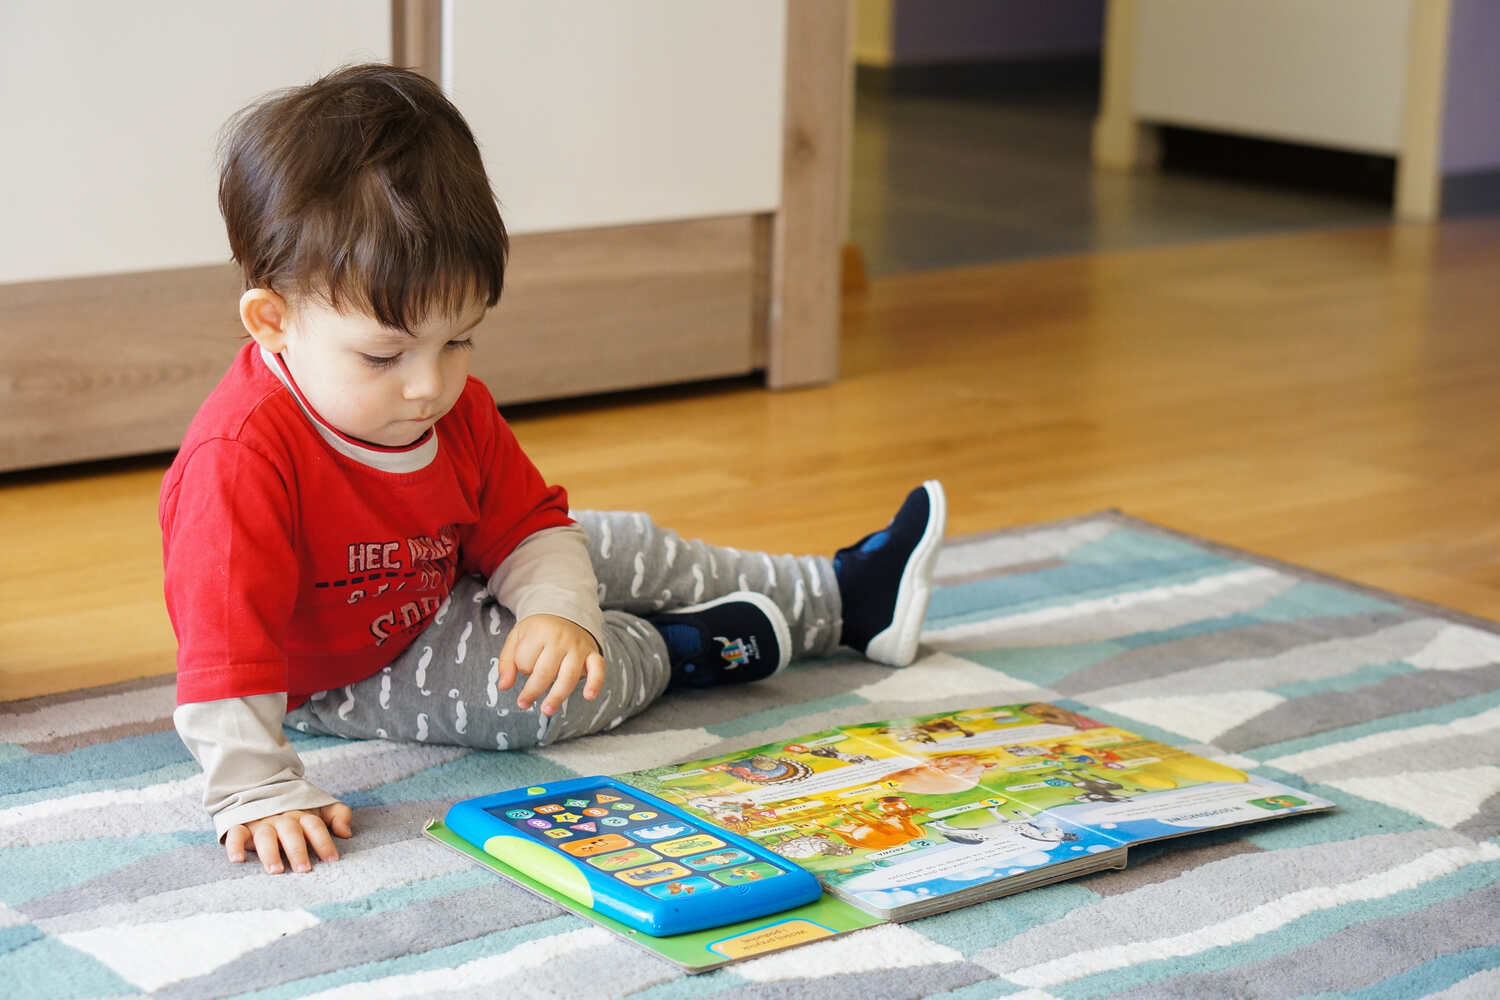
pixel 1327 711
pixel 1212 894
pixel 1249 656
pixel 909 982
pixel 204 867
pixel 1356 957
pixel 344 943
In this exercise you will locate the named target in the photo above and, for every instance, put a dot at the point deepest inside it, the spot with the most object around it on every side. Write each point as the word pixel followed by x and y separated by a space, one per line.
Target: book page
pixel 887 827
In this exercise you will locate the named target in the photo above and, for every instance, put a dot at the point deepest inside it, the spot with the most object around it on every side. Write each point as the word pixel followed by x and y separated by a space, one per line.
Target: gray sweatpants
pixel 443 687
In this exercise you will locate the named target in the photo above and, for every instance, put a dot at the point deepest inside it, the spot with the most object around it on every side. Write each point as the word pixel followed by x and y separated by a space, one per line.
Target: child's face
pixel 374 383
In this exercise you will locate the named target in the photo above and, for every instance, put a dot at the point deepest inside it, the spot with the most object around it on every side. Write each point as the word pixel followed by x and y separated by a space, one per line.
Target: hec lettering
pixel 366 557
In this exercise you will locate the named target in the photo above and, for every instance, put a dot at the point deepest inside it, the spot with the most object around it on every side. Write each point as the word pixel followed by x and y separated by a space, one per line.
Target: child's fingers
pixel 594 667
pixel 267 848
pixel 234 843
pixel 289 829
pixel 567 679
pixel 542 672
pixel 340 819
pixel 508 661
pixel 318 836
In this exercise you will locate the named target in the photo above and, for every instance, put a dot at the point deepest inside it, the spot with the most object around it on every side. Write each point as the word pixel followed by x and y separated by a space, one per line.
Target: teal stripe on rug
pixel 973 929
pixel 1005 596
pixel 1432 977
pixel 704 984
pixel 50 970
pixel 1363 677
pixel 158 776
pixel 1126 545
pixel 1319 600
pixel 106 764
pixel 12 938
pixel 41 869
pixel 1044 666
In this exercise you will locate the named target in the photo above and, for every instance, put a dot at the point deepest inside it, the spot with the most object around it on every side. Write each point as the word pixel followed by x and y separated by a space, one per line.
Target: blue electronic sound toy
pixel 631 856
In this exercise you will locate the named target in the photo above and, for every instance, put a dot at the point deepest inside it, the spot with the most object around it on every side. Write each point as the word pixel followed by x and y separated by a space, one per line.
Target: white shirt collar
pixel 412 458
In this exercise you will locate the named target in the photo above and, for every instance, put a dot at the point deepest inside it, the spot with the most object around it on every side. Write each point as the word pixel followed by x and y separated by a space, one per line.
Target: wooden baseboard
pixel 114 365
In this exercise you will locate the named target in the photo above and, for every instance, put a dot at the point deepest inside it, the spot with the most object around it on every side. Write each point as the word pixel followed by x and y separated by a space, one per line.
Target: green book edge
pixel 700 951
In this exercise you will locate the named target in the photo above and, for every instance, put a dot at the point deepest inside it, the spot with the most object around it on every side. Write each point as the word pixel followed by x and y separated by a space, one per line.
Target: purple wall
pixel 928 31
pixel 1471 107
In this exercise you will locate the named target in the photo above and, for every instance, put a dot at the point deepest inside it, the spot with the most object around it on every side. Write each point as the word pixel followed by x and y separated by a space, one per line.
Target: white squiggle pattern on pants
pixel 640 574
pixel 422 664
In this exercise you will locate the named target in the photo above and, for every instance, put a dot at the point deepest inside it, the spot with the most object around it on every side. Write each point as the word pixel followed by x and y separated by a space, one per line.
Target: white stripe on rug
pixel 193 787
pixel 84 715
pixel 1202 717
pixel 615 753
pixel 939 675
pixel 1260 920
pixel 1259 585
pixel 1464 791
pixel 524 957
pixel 151 956
pixel 1458 647
pixel 1301 763
pixel 985 555
pixel 887 946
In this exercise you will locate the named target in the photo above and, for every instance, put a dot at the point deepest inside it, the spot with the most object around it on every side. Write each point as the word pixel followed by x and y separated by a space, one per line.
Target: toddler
pixel 356 545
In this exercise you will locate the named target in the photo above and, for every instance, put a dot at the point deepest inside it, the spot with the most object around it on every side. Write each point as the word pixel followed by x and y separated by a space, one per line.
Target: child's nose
pixel 424 382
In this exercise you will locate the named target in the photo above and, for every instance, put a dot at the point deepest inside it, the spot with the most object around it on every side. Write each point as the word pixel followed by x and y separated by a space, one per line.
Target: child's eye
pixel 376 361
pixel 462 345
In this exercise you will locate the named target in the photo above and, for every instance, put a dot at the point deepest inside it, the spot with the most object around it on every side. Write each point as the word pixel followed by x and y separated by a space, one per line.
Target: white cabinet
pixel 600 113
pixel 1361 75
pixel 110 112
pixel 676 207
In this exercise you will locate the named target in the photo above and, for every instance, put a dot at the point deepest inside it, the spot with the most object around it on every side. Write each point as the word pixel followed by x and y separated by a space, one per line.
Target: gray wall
pixel 1471 112
pixel 936 31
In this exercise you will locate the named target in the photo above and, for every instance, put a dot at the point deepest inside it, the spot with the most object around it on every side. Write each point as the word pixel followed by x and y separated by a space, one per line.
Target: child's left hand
pixel 556 653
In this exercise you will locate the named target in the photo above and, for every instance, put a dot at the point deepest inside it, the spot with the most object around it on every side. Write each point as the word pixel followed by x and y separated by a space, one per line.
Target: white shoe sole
pixel 772 612
pixel 896 644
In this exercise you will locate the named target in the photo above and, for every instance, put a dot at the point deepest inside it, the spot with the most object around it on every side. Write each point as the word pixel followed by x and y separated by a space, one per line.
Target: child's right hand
pixel 291 832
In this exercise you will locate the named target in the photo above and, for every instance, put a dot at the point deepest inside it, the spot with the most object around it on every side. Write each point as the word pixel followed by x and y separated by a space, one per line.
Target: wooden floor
pixel 1330 399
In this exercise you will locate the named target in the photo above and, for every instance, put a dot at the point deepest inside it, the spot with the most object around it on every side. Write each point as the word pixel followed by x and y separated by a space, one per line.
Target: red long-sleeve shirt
pixel 298 559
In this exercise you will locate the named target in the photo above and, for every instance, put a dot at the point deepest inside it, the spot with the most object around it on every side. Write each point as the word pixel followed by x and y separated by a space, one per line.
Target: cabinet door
pixel 599 113
pixel 1330 72
pixel 111 113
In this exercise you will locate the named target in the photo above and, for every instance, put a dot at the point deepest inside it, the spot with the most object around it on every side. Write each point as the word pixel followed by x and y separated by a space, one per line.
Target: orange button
pixel 596 845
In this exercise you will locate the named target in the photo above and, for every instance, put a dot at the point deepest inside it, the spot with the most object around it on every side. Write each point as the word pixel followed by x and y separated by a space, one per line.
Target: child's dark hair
pixel 365 189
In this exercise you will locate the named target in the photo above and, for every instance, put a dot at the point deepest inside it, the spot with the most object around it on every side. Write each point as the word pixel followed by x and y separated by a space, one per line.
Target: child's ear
pixel 264 314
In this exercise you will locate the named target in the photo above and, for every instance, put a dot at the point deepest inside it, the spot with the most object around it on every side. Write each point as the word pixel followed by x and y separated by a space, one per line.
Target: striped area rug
pixel 111 884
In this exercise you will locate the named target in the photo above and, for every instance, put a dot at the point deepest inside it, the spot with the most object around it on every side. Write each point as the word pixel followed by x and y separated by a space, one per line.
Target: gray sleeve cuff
pixel 550 573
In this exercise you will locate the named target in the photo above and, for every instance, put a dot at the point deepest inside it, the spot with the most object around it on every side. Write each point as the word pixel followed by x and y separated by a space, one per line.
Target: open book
pixel 914 816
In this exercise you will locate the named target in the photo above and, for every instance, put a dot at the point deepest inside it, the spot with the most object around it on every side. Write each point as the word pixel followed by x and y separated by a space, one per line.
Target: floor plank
pixel 1325 398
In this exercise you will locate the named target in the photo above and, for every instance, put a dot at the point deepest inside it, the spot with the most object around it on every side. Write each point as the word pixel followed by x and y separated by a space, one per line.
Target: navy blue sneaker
pixel 885 579
pixel 735 639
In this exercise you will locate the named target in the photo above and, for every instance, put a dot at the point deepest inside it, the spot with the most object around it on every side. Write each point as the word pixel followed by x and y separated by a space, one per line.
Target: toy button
pixel 536 790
